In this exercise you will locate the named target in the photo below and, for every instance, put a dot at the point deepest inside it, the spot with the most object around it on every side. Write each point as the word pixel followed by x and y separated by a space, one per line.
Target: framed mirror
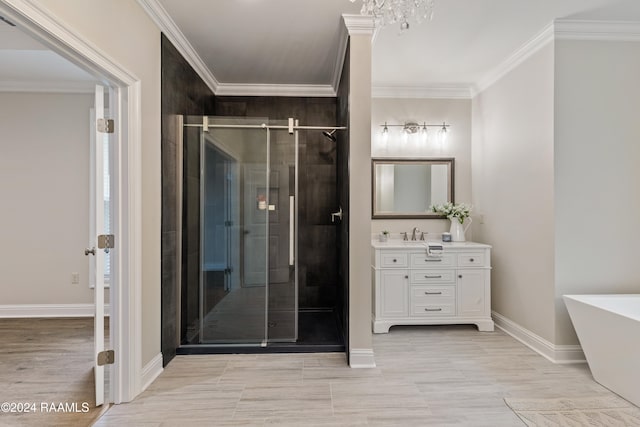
pixel 407 188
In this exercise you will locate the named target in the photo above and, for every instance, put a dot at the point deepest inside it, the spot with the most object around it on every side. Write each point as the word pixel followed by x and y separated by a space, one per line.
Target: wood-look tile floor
pixel 425 376
pixel 47 361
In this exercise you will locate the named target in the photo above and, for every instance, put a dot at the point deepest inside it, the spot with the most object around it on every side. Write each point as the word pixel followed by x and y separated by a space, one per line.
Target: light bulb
pixel 443 133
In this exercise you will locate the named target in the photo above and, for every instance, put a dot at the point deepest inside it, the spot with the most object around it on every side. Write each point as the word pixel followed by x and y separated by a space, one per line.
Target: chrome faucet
pixel 404 233
pixel 413 233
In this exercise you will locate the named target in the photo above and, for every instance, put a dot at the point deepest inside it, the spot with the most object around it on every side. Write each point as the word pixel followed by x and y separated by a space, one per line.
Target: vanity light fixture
pixel 409 128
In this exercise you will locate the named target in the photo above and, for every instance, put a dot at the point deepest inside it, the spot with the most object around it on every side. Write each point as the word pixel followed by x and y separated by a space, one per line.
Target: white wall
pixel 513 190
pixel 457 113
pixel 124 32
pixel 44 188
pixel 597 171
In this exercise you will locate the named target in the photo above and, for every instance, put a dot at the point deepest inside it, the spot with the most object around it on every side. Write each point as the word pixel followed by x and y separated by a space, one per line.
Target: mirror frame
pixel 450 161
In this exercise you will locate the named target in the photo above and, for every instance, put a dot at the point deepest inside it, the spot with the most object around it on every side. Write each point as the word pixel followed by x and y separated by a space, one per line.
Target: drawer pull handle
pixel 471 260
pixel 433 277
pixel 459 276
pixel 406 277
pixel 395 260
pixel 432 309
pixel 433 260
pixel 433 293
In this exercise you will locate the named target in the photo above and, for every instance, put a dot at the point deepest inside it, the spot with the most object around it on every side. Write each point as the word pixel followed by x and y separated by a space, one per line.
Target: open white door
pixel 101 240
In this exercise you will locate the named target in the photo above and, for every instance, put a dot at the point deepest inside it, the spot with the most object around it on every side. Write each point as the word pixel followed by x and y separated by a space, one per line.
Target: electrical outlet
pixel 75 278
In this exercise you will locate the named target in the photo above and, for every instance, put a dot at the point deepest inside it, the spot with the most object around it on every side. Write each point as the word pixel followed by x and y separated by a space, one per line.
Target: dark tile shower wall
pixel 342 117
pixel 318 276
pixel 183 93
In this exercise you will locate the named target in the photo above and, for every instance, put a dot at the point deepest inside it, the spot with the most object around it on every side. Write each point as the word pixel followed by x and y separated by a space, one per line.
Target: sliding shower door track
pixel 258 349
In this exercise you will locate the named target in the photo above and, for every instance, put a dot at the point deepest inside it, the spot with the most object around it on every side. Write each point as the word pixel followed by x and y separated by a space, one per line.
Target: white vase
pixel 457 230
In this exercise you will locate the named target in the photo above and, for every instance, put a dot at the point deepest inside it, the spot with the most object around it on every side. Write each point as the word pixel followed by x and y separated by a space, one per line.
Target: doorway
pixel 242 263
pixel 125 375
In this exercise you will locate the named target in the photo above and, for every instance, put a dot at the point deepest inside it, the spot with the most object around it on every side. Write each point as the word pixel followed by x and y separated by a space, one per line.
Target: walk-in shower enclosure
pixel 240 215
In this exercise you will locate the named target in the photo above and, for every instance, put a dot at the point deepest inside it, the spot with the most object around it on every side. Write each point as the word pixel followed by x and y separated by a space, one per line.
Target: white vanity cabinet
pixel 411 287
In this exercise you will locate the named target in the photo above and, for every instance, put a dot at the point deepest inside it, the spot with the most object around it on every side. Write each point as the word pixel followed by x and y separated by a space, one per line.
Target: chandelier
pixel 387 12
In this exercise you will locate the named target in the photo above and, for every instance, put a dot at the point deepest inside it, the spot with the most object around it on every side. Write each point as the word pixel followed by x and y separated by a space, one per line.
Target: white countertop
pixel 417 244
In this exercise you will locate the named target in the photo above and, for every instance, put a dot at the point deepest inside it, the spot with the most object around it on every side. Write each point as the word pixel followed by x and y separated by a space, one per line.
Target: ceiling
pixel 283 42
pixel 245 46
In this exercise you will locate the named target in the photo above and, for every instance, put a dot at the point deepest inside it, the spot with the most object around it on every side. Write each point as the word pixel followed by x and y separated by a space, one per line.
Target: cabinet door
pixel 394 293
pixel 471 293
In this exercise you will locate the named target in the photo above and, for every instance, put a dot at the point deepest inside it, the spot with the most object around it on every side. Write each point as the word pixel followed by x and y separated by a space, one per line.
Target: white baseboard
pixel 48 310
pixel 361 358
pixel 151 370
pixel 554 353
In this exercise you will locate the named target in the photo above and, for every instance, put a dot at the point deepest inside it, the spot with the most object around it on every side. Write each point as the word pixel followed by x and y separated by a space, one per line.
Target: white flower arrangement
pixel 450 210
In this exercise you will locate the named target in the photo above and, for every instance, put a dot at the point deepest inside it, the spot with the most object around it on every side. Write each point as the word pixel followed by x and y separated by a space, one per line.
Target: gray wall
pixel 183 93
pixel 555 173
pixel 596 158
pixel 342 166
pixel 44 183
pixel 513 190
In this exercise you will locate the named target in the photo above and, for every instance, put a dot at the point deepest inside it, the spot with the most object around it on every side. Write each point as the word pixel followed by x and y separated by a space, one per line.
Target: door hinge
pixel 106 357
pixel 106 241
pixel 228 223
pixel 106 125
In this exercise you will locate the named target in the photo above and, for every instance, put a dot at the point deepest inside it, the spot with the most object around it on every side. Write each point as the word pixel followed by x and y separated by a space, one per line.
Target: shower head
pixel 330 135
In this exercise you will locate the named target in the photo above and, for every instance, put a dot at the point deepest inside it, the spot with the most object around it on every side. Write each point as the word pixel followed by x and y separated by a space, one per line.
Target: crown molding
pixel 515 59
pixel 233 89
pixel 47 87
pixel 358 24
pixel 433 92
pixel 562 29
pixel 567 29
pixel 341 54
pixel 162 19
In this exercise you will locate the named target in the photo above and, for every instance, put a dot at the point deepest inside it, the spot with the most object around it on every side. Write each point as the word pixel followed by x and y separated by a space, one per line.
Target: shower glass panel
pixel 247 290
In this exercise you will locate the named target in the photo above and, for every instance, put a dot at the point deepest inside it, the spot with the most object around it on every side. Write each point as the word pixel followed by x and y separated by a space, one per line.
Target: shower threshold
pixel 319 332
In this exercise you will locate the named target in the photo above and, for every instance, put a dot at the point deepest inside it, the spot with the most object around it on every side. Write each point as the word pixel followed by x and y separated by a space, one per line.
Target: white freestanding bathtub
pixel 608 327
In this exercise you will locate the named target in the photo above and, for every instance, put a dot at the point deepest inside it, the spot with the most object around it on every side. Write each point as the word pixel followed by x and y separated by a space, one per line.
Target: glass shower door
pixel 233 218
pixel 282 297
pixel 247 223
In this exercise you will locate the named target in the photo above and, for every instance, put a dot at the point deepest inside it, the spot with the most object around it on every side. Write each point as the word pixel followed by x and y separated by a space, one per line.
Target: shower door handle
pixel 337 215
pixel 292 229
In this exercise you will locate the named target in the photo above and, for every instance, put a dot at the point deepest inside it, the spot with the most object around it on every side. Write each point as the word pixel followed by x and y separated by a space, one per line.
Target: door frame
pixel 126 295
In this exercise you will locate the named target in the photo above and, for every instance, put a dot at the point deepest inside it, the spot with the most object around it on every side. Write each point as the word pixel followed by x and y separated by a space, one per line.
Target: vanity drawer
pixel 471 259
pixel 394 259
pixel 433 276
pixel 422 260
pixel 433 309
pixel 432 294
